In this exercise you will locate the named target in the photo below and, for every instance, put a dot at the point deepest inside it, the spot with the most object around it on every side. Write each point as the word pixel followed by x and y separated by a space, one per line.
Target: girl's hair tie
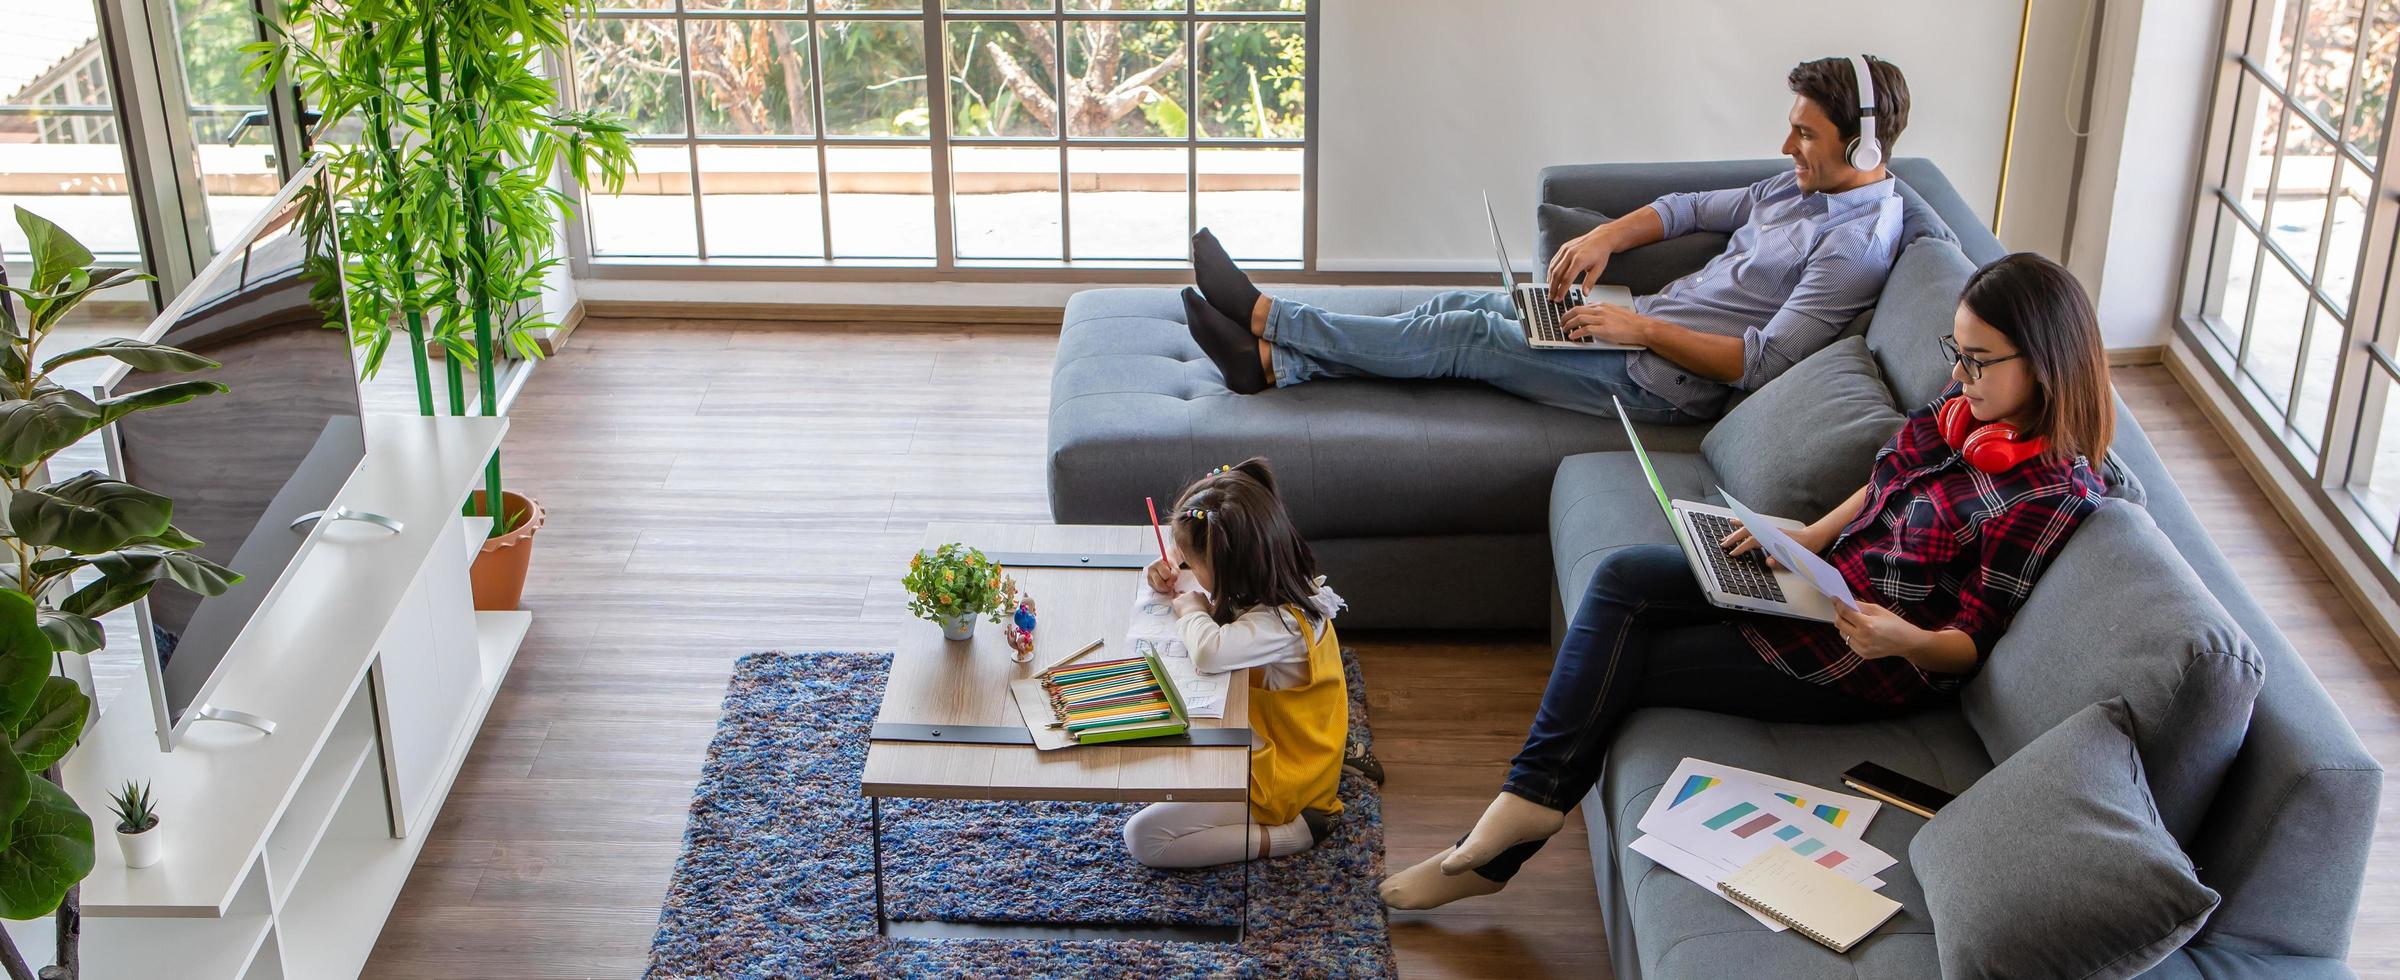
pixel 1196 514
pixel 1221 470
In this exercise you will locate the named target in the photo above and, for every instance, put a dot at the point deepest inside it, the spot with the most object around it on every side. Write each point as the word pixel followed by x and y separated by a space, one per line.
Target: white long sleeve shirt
pixel 1265 637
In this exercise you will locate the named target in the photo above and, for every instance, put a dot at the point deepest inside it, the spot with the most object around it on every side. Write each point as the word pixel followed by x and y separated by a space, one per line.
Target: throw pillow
pixel 1806 440
pixel 2055 864
pixel 1644 270
pixel 1920 298
pixel 2119 614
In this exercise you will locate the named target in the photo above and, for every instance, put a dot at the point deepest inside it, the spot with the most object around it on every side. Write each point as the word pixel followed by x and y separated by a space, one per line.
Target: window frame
pixel 945 264
pixel 2337 468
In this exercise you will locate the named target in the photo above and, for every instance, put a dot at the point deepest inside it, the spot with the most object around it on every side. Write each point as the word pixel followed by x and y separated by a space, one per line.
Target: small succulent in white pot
pixel 137 825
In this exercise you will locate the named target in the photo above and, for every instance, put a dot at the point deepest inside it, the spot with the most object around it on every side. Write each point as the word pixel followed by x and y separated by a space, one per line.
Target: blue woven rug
pixel 775 879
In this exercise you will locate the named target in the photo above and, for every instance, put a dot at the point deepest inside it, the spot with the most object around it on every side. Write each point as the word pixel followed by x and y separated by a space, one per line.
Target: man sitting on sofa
pixel 1809 252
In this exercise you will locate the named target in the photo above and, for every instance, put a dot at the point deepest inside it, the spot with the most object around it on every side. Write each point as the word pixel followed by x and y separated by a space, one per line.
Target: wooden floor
pixel 717 488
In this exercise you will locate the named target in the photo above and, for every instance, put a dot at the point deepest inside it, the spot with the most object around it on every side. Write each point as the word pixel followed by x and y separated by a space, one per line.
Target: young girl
pixel 1262 605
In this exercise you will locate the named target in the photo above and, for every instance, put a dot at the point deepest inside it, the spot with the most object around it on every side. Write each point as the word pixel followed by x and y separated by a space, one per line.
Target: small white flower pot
pixel 958 627
pixel 143 849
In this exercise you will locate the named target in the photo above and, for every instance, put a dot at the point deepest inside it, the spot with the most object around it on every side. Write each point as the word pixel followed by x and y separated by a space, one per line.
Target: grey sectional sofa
pixel 1452 505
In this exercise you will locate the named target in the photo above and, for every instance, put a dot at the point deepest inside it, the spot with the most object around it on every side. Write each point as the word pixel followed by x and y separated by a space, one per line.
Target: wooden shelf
pixel 140 948
pixel 300 662
pixel 330 923
pixel 295 837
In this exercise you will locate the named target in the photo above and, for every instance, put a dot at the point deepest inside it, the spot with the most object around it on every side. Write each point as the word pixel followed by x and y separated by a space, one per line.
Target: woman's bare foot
pixel 1424 886
pixel 1510 820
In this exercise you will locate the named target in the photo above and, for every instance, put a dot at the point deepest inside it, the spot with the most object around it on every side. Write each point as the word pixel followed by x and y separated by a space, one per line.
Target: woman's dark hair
pixel 2039 307
pixel 1233 517
pixel 1832 83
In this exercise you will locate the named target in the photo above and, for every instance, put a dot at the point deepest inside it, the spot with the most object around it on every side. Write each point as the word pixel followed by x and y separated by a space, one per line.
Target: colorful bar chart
pixel 1745 820
pixel 1692 787
pixel 1731 814
pixel 1824 811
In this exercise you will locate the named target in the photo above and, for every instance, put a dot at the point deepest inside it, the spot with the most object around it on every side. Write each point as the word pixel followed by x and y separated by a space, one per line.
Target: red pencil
pixel 1156 533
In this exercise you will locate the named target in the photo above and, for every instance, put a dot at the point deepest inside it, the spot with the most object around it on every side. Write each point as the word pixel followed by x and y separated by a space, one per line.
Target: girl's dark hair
pixel 2038 306
pixel 1233 517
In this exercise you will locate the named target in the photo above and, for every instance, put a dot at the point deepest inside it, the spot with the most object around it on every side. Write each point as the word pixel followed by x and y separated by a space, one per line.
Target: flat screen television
pixel 250 469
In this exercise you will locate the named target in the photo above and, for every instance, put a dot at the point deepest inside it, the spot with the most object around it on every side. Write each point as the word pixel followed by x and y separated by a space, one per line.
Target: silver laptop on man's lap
pixel 1540 314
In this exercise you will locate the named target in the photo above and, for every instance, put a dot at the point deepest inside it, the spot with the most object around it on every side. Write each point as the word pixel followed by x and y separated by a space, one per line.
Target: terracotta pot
pixel 499 572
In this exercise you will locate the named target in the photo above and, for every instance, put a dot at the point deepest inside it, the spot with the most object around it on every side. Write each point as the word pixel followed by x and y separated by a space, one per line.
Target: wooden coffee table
pixel 949 729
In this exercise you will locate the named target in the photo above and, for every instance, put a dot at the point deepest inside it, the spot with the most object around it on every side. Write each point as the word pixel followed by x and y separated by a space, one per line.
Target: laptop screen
pixel 1644 456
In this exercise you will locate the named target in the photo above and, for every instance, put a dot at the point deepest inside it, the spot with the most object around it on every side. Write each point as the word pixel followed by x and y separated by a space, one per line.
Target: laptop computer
pixel 1540 314
pixel 1744 582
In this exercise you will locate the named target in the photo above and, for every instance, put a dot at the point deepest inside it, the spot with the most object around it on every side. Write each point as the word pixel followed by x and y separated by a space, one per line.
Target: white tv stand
pixel 284 852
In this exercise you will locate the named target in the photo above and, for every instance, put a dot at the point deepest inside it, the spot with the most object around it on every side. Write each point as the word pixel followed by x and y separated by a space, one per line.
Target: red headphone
pixel 1993 447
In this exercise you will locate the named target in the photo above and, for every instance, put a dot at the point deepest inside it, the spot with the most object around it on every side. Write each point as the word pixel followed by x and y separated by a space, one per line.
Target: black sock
pixel 1226 286
pixel 1228 345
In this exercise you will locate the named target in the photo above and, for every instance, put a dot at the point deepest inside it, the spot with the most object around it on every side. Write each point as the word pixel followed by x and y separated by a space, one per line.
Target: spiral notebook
pixel 1811 898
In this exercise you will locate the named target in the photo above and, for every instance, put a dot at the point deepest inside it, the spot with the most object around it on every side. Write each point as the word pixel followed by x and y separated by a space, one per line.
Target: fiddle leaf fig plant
pixel 75 550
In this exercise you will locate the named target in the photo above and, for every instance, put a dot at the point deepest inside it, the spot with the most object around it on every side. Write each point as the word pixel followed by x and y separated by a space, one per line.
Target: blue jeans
pixel 1646 635
pixel 1469 334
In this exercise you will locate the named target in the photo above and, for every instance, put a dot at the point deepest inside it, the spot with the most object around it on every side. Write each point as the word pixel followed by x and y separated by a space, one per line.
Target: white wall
pixel 2051 120
pixel 1423 103
pixel 2133 209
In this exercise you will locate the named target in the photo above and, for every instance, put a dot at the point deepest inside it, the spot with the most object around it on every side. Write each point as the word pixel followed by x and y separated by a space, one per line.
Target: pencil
pixel 1157 534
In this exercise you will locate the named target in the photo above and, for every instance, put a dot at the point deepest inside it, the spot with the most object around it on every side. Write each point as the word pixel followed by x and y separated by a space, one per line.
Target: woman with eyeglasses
pixel 1962 511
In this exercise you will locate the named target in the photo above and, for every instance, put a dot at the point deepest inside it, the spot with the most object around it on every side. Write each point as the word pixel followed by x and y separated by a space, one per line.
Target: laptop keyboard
pixel 1546 312
pixel 1745 575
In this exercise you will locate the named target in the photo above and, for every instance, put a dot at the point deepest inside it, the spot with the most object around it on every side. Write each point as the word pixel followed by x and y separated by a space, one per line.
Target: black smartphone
pixel 1896 789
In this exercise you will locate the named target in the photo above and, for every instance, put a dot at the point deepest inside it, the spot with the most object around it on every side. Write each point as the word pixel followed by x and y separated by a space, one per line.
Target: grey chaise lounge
pixel 1451 505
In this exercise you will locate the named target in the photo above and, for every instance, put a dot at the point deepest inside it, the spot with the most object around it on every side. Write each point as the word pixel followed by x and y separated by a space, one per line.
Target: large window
pixel 991 133
pixel 2290 294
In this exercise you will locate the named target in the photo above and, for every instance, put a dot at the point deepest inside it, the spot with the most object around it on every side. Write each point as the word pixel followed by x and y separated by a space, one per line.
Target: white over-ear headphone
pixel 1866 152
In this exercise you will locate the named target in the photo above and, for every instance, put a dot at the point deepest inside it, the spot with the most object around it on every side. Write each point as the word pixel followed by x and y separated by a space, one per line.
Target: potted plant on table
pixel 137 825
pixel 448 196
pixel 953 585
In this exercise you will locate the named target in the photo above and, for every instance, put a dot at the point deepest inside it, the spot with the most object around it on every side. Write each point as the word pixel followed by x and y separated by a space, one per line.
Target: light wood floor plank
pixel 722 487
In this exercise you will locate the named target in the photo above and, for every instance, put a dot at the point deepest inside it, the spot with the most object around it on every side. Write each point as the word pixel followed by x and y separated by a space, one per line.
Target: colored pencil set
pixel 1114 700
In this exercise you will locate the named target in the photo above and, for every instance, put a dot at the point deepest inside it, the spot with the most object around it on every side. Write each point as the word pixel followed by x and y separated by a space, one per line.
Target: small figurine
pixel 1020 628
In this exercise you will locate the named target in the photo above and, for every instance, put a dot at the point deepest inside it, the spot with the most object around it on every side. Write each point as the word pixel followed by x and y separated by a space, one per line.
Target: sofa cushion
pixel 1807 440
pixel 1681 930
pixel 1137 411
pixel 1914 314
pixel 2054 864
pixel 1599 503
pixel 2118 613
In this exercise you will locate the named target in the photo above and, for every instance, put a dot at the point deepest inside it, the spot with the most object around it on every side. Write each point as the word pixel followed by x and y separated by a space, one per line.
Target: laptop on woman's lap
pixel 1744 582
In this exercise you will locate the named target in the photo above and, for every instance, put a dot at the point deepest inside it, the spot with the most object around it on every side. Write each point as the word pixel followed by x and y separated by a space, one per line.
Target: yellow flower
pixel 945 600
pixel 949 576
pixel 916 560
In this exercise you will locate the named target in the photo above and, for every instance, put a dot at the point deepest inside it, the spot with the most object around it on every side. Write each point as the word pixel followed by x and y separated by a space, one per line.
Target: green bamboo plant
pixel 112 533
pixel 446 198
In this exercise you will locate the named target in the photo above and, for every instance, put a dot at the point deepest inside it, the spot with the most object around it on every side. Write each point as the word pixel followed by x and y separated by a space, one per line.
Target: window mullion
pixel 1060 42
pixel 936 45
pixel 816 106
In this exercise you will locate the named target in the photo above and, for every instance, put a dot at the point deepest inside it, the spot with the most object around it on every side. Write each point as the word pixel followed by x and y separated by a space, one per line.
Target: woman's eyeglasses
pixel 1970 366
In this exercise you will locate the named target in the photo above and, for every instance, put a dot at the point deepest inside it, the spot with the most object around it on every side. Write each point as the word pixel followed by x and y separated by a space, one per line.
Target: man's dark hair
pixel 1832 83
pixel 1234 517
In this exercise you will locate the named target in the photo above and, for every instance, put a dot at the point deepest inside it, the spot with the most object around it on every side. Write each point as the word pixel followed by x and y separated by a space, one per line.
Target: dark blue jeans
pixel 1647 636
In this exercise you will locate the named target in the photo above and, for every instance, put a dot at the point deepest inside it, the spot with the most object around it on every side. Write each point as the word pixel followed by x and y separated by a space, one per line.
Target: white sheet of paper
pixel 1152 630
pixel 1734 807
pixel 1791 554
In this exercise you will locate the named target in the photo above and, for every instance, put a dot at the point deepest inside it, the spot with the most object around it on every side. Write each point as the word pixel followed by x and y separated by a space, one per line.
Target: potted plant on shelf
pixel 449 208
pixel 137 825
pixel 117 535
pixel 953 585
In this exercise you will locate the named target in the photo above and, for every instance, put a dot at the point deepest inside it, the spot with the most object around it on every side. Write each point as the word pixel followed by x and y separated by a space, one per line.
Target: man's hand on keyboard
pixel 1609 322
